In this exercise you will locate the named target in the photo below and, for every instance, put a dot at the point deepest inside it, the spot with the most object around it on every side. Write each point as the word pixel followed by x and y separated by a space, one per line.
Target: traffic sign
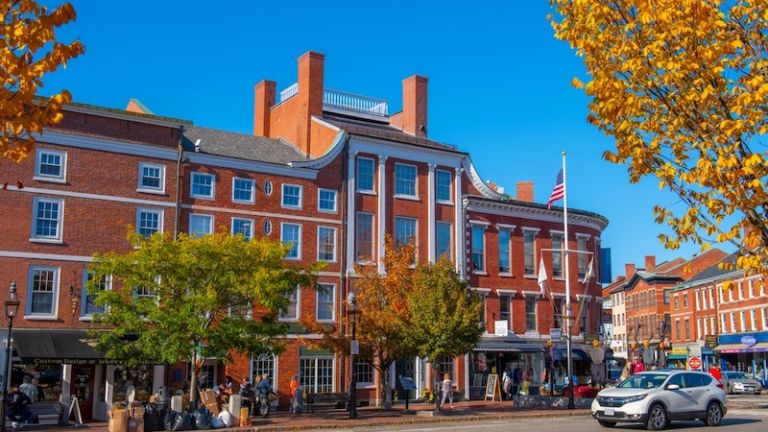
pixel 694 363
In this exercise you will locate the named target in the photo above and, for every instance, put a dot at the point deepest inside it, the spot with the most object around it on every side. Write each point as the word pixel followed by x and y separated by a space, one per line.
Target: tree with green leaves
pixel 193 298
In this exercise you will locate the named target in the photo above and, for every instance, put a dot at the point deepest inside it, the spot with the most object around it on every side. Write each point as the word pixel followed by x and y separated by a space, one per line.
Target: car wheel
pixel 714 414
pixel 606 424
pixel 657 417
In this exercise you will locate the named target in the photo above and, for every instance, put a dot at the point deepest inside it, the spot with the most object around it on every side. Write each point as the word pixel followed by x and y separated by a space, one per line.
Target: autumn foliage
pixel 28 51
pixel 682 87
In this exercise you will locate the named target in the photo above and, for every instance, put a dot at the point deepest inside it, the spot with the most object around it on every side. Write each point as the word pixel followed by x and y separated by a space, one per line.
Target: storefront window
pixel 139 378
pixel 48 378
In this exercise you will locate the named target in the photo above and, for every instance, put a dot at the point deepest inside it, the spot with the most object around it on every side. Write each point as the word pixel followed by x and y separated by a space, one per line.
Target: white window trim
pixel 60 231
pixel 282 196
pixel 84 295
pixel 562 254
pixel 373 257
pixel 298 247
pixel 192 194
pixel 484 226
pixel 335 244
pixel 49 178
pixel 317 304
pixel 210 225
pixel 509 229
pixel 268 188
pixel 335 200
pixel 232 228
pixel 373 176
pixel 298 309
pixel 28 315
pixel 535 296
pixel 450 239
pixel 253 191
pixel 449 201
pixel 535 232
pixel 158 190
pixel 160 220
pixel 415 182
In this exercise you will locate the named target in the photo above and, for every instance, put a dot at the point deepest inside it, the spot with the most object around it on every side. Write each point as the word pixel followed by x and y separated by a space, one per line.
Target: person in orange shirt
pixel 293 386
pixel 714 370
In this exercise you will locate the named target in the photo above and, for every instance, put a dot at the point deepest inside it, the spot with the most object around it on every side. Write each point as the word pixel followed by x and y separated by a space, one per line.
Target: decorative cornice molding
pixel 535 213
pixel 329 156
pixel 107 145
pixel 478 183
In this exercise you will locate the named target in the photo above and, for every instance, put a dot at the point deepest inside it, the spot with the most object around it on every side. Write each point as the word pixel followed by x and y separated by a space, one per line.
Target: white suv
pixel 658 397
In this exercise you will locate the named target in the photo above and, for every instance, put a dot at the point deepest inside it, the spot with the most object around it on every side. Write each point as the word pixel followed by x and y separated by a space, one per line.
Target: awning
pixel 56 346
pixel 758 347
pixel 731 348
pixel 506 347
pixel 576 354
pixel 677 356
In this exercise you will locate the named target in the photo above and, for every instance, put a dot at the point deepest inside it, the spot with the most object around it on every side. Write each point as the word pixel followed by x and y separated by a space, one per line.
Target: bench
pixel 319 401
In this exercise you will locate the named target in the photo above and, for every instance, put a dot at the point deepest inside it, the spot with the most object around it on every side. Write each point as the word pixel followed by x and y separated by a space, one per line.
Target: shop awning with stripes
pixel 731 348
pixel 507 347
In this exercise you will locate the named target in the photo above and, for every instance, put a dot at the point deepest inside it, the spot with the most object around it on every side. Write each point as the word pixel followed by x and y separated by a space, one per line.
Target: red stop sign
pixel 694 363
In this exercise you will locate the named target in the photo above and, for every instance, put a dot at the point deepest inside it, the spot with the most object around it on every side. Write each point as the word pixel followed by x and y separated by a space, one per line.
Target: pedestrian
pixel 40 391
pixel 294 384
pixel 447 390
pixel 29 389
pixel 18 407
pixel 714 370
pixel 626 371
pixel 637 366
pixel 517 378
pixel 130 392
pixel 506 382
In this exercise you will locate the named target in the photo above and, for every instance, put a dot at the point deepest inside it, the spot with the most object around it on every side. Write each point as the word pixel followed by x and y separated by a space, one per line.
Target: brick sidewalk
pixel 371 417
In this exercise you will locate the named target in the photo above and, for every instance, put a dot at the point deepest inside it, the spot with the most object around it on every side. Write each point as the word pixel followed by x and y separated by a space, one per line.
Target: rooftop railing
pixel 343 101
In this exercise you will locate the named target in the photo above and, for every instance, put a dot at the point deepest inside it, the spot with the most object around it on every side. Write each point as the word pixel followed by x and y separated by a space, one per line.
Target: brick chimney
pixel 525 191
pixel 650 263
pixel 263 101
pixel 414 116
pixel 629 269
pixel 310 96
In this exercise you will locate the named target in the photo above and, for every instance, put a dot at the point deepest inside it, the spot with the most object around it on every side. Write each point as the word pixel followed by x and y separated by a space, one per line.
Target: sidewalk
pixel 371 416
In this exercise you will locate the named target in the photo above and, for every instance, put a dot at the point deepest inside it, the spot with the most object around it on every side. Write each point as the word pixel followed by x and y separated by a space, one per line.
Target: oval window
pixel 268 188
pixel 267 227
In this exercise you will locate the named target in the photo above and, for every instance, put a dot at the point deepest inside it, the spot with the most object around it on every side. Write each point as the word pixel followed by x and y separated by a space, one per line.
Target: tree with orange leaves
pixel 28 51
pixel 682 87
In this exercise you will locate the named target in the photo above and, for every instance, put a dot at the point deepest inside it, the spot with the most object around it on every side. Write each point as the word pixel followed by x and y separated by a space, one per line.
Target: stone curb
pixel 413 419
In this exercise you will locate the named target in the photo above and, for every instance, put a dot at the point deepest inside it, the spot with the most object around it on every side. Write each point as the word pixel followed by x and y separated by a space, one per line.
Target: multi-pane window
pixel 505 310
pixel 444 230
pixel 143 291
pixel 326 200
pixel 148 221
pixel 326 301
pixel 203 185
pixel 151 177
pixel 48 216
pixel 291 311
pixel 528 252
pixel 504 258
pixel 50 165
pixel 405 180
pixel 363 372
pixel 291 196
pixel 443 183
pixel 290 234
pixel 405 231
pixel 581 258
pixel 267 188
pixel 316 374
pixel 264 364
pixel 685 300
pixel 364 237
pixel 585 317
pixel 200 225
pixel 687 324
pixel 677 329
pixel 243 190
pixel 43 283
pixel 243 227
pixel 530 313
pixel 102 284
pixel 326 244
pixel 478 248
pixel 365 174
pixel 445 366
pixel 557 254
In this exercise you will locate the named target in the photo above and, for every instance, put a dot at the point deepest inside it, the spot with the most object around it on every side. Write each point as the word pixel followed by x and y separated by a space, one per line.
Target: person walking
pixel 294 384
pixel 447 390
pixel 29 389
pixel 506 383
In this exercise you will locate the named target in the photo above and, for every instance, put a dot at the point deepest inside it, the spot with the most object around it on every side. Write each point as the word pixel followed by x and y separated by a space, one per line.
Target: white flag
pixel 542 278
pixel 590 271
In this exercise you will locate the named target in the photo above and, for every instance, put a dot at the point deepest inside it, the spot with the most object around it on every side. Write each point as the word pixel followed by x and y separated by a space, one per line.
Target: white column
pixel 351 216
pixel 158 377
pixel 458 224
pixel 109 390
pixel 466 376
pixel 431 212
pixel 66 379
pixel 381 213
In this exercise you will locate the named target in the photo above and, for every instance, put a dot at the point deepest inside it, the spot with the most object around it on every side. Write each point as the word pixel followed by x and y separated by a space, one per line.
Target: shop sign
pixel 711 341
pixel 501 328
pixel 555 334
pixel 680 351
pixel 748 340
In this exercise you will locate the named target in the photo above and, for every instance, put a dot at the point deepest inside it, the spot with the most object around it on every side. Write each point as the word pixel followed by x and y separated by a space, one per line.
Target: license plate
pixel 609 412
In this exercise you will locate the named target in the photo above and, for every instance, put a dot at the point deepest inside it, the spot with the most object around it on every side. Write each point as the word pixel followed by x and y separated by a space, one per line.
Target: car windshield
pixel 644 381
pixel 735 375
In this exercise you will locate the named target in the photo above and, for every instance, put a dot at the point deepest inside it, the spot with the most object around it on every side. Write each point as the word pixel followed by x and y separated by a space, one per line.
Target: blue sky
pixel 499 83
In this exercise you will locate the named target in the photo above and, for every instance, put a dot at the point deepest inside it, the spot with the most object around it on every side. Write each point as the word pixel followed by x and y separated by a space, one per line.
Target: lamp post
pixel 11 308
pixel 353 313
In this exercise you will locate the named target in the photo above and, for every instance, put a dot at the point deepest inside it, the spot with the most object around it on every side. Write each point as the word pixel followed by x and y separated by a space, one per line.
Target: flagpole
pixel 571 404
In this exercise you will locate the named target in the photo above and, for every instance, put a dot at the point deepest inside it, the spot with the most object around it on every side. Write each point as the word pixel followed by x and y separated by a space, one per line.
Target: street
pixel 736 420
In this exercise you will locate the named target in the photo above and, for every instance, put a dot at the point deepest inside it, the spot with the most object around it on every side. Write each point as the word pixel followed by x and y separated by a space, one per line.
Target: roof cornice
pixel 534 211
pixel 478 183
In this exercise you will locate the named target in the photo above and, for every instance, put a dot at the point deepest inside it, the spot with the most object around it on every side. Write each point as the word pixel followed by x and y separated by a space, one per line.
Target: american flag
pixel 558 192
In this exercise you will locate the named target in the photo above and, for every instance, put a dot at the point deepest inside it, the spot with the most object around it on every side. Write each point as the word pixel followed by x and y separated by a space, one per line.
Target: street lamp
pixel 353 313
pixel 11 308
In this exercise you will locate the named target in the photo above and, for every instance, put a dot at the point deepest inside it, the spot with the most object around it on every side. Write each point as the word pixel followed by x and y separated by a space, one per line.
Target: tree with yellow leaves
pixel 682 87
pixel 28 51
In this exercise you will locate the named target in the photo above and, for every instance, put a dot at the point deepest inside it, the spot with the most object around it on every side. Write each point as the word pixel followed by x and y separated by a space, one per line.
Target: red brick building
pixel 329 172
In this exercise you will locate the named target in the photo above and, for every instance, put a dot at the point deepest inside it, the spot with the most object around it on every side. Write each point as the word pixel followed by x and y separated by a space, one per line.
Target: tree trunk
pixel 388 391
pixel 193 381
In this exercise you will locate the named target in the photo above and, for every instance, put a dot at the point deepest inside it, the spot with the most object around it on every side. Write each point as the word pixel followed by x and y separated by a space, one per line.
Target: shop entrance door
pixel 82 389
